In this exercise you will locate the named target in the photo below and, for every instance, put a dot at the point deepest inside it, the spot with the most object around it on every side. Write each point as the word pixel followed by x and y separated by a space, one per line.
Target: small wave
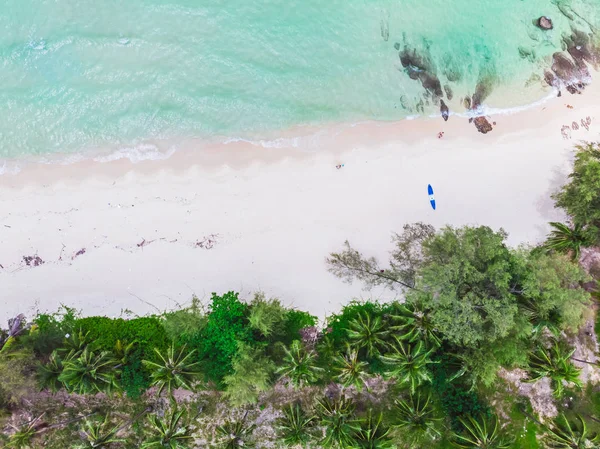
pixel 139 153
pixel 9 168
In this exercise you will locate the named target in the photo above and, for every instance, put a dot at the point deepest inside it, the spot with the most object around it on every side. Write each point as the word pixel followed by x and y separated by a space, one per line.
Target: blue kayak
pixel 431 197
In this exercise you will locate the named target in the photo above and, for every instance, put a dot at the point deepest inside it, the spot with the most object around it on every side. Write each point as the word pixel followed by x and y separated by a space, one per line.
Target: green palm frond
pixel 416 417
pixel 554 363
pixel 90 372
pixel 372 434
pixel 23 436
pixel 123 350
pixel 414 324
pixel 296 426
pixel 75 342
pixel 235 434
pixel 337 417
pixel 176 369
pixel 481 433
pixel 409 364
pixel 564 239
pixel 349 369
pixel 299 365
pixel 169 432
pixel 368 334
pixel 541 319
pixel 565 434
pixel 49 373
pixel 99 434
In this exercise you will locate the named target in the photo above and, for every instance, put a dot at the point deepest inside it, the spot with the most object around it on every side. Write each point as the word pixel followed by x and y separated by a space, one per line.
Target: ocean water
pixel 85 74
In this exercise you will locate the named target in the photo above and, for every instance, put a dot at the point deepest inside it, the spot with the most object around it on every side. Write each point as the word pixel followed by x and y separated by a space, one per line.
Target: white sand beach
pixel 273 214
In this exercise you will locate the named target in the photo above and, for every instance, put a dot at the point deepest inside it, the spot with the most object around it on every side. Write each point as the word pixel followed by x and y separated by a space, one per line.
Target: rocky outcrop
pixel 449 93
pixel 569 74
pixel 482 124
pixel 420 68
pixel 545 23
pixel 444 110
pixel 569 69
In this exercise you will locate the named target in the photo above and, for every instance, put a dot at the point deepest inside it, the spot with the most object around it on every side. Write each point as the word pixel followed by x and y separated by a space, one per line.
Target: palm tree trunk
pixel 134 419
pixel 584 361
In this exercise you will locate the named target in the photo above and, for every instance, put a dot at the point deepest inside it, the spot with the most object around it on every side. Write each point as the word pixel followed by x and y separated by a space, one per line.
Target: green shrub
pixel 457 399
pixel 49 330
pixel 217 343
pixel 181 325
pixel 296 320
pixel 145 333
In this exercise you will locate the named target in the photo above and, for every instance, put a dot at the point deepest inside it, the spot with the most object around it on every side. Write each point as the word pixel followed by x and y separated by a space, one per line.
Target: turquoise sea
pixel 85 74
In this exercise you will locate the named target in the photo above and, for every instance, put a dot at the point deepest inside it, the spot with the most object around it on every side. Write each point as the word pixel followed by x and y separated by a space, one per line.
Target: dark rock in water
pixel 444 110
pixel 420 68
pixel 581 48
pixel 550 79
pixel 569 73
pixel 467 102
pixel 482 124
pixel 449 93
pixel 563 67
pixel 482 91
pixel 563 9
pixel 545 23
pixel 452 70
pixel 527 53
pixel 397 45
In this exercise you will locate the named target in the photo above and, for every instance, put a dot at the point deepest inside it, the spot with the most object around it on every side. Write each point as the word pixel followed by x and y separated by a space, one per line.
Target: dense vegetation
pixel 491 347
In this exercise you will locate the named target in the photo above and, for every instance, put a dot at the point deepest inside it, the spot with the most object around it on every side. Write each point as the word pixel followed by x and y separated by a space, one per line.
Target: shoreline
pixel 303 137
pixel 274 213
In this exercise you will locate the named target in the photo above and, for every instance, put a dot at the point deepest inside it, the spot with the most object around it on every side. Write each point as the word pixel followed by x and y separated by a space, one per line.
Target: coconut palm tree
pixel 414 324
pixel 564 239
pixel 299 364
pixel 235 434
pixel 337 418
pixel 22 436
pixel 123 350
pixel 90 372
pixel 372 434
pixel 565 434
pixel 49 373
pixel 416 417
pixel 480 433
pixel 541 319
pixel 75 342
pixel 295 427
pixel 367 333
pixel 349 369
pixel 176 369
pixel 555 363
pixel 99 434
pixel 408 363
pixel 169 433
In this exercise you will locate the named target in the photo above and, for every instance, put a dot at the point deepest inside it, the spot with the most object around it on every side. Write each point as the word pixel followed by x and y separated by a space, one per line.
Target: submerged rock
pixel 482 124
pixel 420 68
pixel 545 23
pixel 482 91
pixel 444 110
pixel 449 93
pixel 467 102
pixel 571 75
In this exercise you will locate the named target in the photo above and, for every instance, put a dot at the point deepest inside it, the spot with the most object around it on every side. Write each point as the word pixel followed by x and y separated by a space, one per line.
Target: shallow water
pixel 85 74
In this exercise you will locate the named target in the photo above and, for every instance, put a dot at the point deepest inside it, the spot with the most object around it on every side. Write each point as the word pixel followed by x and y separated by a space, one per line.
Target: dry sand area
pixel 119 236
